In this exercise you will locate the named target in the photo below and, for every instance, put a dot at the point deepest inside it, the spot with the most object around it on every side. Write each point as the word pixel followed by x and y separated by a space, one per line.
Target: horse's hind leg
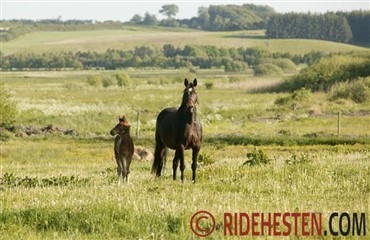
pixel 164 157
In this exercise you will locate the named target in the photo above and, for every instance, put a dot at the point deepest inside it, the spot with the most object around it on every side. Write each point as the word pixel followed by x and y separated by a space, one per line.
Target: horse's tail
pixel 159 154
pixel 156 162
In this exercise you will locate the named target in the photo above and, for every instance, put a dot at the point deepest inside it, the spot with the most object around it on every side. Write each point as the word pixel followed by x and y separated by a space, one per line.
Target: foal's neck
pixel 124 132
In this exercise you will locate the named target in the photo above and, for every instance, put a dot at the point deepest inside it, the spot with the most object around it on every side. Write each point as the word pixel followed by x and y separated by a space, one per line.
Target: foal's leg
pixel 194 162
pixel 119 169
pixel 125 170
pixel 175 164
pixel 128 162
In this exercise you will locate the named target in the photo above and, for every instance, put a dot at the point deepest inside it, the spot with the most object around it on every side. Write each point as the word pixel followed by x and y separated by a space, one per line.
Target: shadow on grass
pixel 246 36
pixel 286 140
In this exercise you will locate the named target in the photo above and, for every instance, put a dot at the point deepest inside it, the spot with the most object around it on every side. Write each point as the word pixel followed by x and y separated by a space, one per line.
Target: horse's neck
pixel 190 118
pixel 124 133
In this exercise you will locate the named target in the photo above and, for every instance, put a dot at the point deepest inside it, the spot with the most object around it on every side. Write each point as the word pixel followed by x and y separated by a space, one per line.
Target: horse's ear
pixel 186 82
pixel 195 82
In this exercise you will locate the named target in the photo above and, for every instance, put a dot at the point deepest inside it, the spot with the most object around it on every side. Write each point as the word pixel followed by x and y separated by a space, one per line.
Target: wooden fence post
pixel 138 125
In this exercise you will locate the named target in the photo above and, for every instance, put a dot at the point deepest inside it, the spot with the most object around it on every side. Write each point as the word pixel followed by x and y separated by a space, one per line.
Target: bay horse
pixel 123 148
pixel 179 129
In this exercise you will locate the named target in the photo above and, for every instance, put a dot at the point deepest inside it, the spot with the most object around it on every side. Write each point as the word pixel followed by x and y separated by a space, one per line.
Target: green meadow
pixel 131 37
pixel 57 186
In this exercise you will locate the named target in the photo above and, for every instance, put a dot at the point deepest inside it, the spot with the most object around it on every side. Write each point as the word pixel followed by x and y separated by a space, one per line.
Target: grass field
pixel 56 186
pixel 132 37
pixel 63 187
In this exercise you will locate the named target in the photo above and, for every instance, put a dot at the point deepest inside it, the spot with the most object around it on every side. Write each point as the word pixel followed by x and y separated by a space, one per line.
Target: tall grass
pixel 58 187
pixel 329 179
pixel 66 100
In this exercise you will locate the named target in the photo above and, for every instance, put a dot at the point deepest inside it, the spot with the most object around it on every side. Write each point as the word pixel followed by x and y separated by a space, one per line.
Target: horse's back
pixel 166 127
pixel 165 115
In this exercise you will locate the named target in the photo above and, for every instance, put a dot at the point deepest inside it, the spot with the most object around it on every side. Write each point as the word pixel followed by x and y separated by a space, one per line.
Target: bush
pixel 284 64
pixel 257 158
pixel 8 109
pixel 94 81
pixel 323 75
pixel 295 100
pixel 209 85
pixel 235 79
pixel 267 69
pixel 302 159
pixel 123 79
pixel 234 66
pixel 358 90
pixel 108 81
pixel 205 160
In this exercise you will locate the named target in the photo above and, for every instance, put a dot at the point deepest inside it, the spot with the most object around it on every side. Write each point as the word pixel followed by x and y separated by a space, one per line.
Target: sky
pixel 123 10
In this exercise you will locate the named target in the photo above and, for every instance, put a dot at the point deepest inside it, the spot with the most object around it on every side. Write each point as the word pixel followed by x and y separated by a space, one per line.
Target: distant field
pixel 101 40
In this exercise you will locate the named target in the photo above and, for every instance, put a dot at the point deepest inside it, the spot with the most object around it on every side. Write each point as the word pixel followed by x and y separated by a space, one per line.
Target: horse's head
pixel 190 98
pixel 122 127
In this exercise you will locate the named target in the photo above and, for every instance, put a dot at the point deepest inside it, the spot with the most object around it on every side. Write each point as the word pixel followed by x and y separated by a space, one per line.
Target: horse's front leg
pixel 194 163
pixel 175 163
pixel 182 163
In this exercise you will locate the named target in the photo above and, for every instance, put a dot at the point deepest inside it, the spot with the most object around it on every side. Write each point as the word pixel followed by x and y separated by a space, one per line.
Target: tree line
pixel 213 18
pixel 339 27
pixel 189 56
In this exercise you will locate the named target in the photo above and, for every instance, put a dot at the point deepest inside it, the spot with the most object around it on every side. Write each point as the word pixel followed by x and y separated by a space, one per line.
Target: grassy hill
pixel 129 38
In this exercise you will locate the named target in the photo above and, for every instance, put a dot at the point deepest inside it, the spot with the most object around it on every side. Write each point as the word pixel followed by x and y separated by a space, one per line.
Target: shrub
pixel 234 66
pixel 94 81
pixel 358 90
pixel 284 64
pixel 8 109
pixel 108 81
pixel 235 79
pixel 302 159
pixel 267 69
pixel 11 180
pixel 257 158
pixel 123 79
pixel 296 98
pixel 205 160
pixel 323 75
pixel 209 85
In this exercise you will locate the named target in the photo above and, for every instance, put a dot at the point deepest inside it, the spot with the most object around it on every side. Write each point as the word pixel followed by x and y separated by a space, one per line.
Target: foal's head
pixel 122 127
pixel 190 98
